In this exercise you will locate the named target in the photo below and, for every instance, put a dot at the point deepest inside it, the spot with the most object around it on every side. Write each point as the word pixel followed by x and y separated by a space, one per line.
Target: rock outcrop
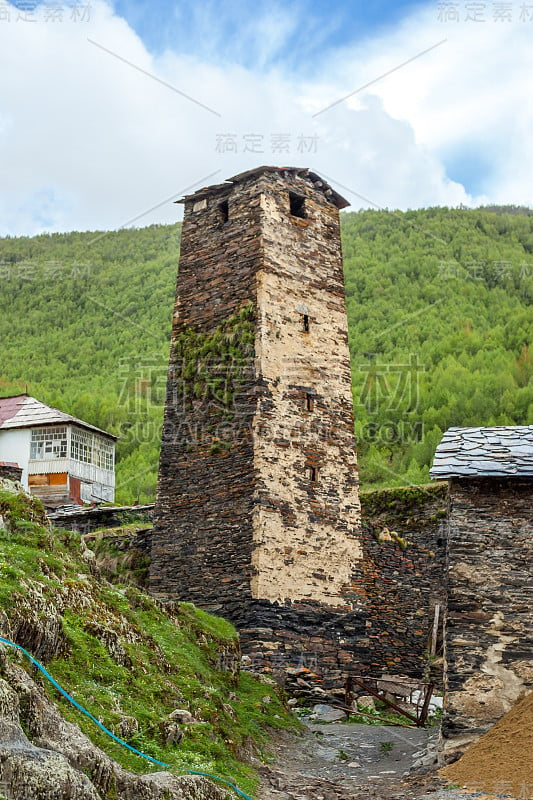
pixel 44 757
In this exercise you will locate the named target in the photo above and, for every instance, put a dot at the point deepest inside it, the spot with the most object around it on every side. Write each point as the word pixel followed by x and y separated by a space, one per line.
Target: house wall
pixel 51 488
pixel 15 446
pixel 489 629
pixel 404 545
pixel 101 479
pixel 56 488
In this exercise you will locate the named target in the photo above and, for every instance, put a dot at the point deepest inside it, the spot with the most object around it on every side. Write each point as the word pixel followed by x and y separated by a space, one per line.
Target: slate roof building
pixel 64 460
pixel 496 452
pixel 489 627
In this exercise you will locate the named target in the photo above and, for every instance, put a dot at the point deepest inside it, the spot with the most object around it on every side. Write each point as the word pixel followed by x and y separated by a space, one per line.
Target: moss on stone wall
pixel 401 502
pixel 210 368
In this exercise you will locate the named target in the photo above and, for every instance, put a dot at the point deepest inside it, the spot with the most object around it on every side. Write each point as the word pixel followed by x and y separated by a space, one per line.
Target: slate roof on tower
pixel 221 188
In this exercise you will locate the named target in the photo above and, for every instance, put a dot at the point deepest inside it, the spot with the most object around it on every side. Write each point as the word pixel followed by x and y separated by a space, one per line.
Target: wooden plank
pixel 57 479
pixel 37 480
pixel 427 700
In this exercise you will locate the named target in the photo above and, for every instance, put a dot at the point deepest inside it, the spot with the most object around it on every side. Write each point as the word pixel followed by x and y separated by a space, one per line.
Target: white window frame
pixel 91 448
pixel 48 443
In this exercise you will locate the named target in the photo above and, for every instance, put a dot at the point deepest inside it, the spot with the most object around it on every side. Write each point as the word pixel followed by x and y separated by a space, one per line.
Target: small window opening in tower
pixel 313 474
pixel 309 401
pixel 223 210
pixel 305 323
pixel 297 205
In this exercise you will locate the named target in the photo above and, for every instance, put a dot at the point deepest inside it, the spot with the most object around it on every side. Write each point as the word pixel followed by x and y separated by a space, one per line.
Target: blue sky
pixel 469 165
pixel 105 118
pixel 218 29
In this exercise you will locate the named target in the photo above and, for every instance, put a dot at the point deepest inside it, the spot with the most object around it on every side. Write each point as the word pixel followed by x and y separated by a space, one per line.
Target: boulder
pixel 182 716
pixel 170 732
pixel 325 713
pixel 127 727
pixel 366 701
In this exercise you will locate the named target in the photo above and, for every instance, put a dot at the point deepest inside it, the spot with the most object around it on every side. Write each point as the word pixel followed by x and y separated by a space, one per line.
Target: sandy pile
pixel 502 760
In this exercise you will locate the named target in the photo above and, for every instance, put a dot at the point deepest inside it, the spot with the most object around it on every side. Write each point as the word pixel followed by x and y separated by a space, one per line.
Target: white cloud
pixel 90 142
pixel 470 92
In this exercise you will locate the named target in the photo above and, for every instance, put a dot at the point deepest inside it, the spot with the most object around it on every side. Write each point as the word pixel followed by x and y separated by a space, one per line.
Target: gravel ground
pixel 339 761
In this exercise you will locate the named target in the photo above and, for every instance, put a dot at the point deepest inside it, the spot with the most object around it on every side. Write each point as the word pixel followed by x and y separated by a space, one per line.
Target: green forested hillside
pixel 440 322
pixel 440 326
pixel 85 324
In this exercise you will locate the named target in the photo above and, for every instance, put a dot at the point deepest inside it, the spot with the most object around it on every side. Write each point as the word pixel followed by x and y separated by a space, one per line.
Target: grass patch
pixel 377 716
pixel 402 501
pixel 117 555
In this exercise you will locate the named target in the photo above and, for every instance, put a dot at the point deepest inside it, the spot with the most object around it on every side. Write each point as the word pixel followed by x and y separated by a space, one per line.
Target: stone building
pixel 489 628
pixel 257 513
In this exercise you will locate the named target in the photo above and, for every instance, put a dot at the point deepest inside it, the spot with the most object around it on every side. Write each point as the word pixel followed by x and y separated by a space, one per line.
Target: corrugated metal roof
pixel 9 406
pixel 333 196
pixel 499 451
pixel 27 412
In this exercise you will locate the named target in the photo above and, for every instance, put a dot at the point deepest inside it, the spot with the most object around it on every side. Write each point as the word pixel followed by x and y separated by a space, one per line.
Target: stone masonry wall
pixel 404 547
pixel 202 540
pixel 489 631
pixel 306 530
pixel 10 472
pixel 401 580
pixel 89 519
pixel 257 516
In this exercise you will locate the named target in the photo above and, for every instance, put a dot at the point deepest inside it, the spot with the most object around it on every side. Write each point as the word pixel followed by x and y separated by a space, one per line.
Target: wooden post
pixel 434 632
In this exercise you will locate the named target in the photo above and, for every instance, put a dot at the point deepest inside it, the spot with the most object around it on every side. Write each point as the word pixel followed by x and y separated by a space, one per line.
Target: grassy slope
pixel 150 664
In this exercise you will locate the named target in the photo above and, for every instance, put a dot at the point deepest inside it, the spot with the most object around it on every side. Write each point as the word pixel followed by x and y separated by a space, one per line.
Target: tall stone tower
pixel 257 514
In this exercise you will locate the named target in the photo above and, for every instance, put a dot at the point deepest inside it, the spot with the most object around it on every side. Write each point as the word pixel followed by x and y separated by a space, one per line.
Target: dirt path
pixel 338 761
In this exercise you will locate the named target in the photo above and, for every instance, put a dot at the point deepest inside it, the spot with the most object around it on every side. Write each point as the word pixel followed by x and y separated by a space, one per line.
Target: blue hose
pixel 108 732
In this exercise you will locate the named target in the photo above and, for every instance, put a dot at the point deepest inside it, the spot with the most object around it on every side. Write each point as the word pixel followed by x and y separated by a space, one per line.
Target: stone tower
pixel 257 514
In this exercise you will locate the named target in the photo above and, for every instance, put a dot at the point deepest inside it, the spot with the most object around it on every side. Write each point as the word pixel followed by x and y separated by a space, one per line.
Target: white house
pixel 64 460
